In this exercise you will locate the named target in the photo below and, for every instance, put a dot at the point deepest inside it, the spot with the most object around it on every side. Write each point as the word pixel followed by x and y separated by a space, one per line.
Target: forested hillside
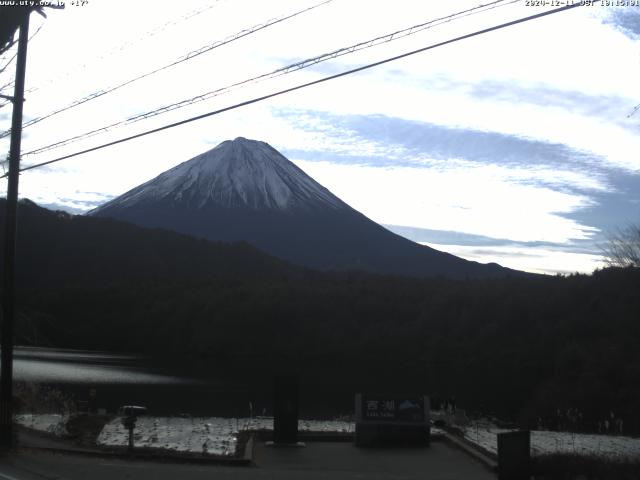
pixel 522 347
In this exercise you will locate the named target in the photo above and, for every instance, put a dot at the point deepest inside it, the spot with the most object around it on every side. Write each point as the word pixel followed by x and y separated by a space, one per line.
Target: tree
pixel 623 247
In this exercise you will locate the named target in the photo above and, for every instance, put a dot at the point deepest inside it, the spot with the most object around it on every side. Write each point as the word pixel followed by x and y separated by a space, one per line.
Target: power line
pixel 5 86
pixel 305 85
pixel 122 46
pixel 188 56
pixel 191 14
pixel 13 57
pixel 396 35
pixel 311 61
pixel 9 62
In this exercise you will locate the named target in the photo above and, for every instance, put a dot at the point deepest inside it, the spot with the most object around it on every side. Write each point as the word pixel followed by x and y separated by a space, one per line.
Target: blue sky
pixel 516 147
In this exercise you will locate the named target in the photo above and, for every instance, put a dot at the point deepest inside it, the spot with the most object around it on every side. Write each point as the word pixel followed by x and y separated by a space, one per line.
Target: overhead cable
pixel 396 35
pixel 304 85
pixel 184 58
pixel 126 44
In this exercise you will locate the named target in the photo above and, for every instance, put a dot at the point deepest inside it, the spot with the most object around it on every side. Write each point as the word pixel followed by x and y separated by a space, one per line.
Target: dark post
pixel 285 411
pixel 8 300
pixel 93 401
pixel 129 422
pixel 130 448
pixel 130 415
pixel 514 455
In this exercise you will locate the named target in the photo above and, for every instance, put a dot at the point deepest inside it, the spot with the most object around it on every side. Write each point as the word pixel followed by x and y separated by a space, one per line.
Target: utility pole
pixel 8 296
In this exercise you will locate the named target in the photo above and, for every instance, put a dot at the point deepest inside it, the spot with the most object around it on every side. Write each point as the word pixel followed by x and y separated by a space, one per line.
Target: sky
pixel 518 146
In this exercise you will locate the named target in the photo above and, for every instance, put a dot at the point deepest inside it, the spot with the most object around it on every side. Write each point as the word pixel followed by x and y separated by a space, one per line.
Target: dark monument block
pixel 285 412
pixel 514 455
pixel 392 420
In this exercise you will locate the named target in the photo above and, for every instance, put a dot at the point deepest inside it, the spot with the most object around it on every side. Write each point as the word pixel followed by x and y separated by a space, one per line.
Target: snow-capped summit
pixel 236 173
pixel 245 190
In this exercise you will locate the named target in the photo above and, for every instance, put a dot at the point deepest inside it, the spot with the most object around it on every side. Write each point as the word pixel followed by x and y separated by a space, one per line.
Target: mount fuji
pixel 245 190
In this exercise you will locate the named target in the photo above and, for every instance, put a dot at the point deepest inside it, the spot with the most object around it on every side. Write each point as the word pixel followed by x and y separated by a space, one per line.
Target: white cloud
pixel 480 201
pixel 530 259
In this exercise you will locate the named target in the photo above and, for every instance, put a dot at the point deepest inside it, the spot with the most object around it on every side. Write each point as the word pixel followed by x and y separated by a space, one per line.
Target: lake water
pixel 127 379
pixel 45 365
pixel 167 389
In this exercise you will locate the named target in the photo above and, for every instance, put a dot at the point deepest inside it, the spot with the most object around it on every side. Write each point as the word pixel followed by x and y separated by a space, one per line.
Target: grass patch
pixel 585 467
pixel 30 397
pixel 86 428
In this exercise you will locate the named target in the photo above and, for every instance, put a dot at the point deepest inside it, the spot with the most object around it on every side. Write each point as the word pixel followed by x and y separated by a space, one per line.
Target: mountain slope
pixel 56 249
pixel 236 174
pixel 245 190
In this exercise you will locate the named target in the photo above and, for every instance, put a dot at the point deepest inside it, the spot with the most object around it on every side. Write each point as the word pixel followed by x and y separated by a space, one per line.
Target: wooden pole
pixel 11 210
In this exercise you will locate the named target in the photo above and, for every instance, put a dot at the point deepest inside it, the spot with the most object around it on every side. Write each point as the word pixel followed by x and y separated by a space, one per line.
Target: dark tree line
pixel 523 348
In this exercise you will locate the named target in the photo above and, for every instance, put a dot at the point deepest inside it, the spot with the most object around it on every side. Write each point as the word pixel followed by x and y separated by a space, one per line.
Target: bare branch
pixel 623 247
